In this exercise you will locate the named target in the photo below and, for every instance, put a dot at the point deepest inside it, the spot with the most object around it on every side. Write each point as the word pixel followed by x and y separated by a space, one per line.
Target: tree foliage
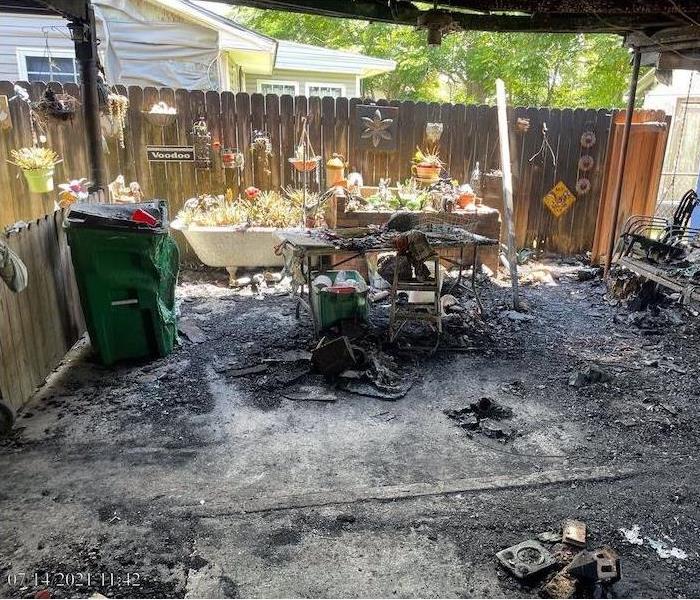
pixel 559 70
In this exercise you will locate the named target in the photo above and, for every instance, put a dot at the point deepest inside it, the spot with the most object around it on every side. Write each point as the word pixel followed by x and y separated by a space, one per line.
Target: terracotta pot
pixel 304 166
pixel 464 200
pixel 427 172
pixel 228 159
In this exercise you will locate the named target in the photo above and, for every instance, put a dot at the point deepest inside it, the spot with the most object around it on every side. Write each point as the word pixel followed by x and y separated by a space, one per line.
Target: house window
pixel 35 65
pixel 682 160
pixel 334 90
pixel 278 87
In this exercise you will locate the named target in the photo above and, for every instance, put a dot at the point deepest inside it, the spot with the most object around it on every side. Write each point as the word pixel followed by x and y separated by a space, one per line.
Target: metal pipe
pixel 85 40
pixel 632 94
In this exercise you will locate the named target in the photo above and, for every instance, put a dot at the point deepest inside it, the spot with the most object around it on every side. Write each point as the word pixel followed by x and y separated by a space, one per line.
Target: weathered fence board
pixel 470 135
pixel 40 324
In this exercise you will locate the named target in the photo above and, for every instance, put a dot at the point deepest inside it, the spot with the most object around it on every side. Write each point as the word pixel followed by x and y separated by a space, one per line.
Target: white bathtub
pixel 232 246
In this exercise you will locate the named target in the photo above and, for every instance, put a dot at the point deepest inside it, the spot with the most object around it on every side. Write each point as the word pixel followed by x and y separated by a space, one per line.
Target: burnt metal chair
pixel 654 248
pixel 657 239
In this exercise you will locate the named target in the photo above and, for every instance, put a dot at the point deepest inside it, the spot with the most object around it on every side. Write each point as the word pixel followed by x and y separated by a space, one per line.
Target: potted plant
pixel 75 190
pixel 427 165
pixel 37 164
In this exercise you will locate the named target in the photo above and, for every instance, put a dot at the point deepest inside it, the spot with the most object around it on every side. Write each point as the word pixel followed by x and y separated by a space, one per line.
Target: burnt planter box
pixel 483 220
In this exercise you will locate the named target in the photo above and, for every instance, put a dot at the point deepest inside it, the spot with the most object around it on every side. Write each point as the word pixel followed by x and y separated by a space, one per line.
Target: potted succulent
pixel 37 164
pixel 427 165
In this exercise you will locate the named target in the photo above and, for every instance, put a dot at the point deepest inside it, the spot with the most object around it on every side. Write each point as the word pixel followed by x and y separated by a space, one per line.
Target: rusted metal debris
pixel 574 533
pixel 562 585
pixel 589 571
pixel 526 559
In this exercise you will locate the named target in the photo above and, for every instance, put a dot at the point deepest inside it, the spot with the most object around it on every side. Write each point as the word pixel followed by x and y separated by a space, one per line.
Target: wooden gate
pixel 640 183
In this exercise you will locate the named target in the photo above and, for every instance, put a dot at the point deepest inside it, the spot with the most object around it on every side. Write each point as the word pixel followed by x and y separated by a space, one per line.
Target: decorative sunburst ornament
pixel 376 128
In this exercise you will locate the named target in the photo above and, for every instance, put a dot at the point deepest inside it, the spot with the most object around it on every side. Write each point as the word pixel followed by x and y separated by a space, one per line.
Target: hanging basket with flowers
pixel 37 165
pixel 161 115
pixel 117 111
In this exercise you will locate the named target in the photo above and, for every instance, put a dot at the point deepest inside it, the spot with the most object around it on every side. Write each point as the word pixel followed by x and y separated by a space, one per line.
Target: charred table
pixel 306 247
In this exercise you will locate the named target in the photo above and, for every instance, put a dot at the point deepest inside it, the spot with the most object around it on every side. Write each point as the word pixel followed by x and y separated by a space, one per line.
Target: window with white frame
pixel 682 161
pixel 36 65
pixel 278 87
pixel 334 90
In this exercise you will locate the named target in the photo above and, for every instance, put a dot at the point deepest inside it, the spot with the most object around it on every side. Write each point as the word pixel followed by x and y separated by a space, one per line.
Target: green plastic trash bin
pixel 126 274
pixel 334 308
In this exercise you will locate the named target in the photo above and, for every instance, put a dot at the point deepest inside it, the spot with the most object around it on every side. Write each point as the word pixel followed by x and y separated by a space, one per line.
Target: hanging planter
pixel 37 165
pixel 304 166
pixel 304 159
pixel 59 107
pixel 161 115
pixel 117 109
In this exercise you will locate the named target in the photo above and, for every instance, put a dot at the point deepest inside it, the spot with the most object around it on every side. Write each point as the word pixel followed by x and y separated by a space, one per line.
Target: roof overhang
pixel 564 16
pixel 295 56
pixel 669 48
pixel 69 9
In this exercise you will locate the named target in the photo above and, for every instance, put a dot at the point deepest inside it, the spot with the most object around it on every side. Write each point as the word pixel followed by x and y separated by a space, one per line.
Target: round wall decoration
pixel 583 185
pixel 586 162
pixel 587 139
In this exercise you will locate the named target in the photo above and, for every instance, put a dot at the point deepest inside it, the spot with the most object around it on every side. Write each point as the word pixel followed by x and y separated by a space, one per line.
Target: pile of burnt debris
pixel 485 416
pixel 562 566
pixel 353 355
pixel 358 366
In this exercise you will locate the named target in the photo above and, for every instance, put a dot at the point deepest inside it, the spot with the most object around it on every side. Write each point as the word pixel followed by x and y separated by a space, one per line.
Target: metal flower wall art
pixel 377 127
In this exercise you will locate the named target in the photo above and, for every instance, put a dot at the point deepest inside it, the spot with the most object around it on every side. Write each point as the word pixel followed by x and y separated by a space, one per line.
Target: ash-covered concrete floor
pixel 175 479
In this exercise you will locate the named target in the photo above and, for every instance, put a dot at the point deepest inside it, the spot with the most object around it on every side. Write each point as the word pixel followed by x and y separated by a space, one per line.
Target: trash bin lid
pixel 120 216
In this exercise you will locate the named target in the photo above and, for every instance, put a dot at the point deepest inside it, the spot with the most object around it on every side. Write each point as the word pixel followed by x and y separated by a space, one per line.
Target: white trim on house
pixel 340 86
pixel 261 82
pixel 304 57
pixel 40 51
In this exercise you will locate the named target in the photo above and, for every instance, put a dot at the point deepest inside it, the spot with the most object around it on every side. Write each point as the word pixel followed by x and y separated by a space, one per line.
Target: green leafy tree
pixel 559 70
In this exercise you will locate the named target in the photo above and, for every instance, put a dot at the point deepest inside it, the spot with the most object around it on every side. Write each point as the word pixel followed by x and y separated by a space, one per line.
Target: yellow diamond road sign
pixel 559 199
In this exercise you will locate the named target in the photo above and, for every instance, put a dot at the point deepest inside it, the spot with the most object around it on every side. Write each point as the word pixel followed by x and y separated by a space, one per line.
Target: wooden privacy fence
pixel 470 135
pixel 41 323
